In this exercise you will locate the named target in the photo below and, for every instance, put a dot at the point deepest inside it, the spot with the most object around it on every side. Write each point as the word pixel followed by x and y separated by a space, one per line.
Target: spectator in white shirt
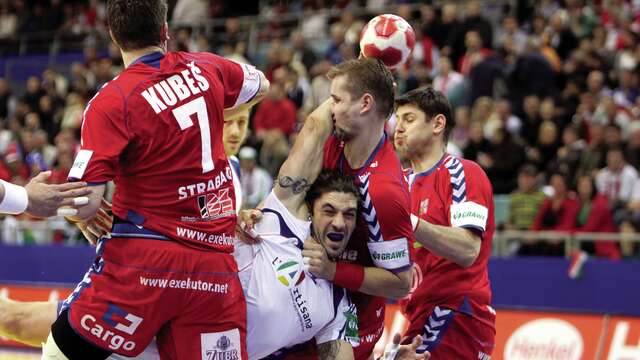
pixel 447 79
pixel 256 181
pixel 616 181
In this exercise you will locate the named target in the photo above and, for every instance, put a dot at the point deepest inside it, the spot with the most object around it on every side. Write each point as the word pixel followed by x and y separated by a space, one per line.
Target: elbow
pixel 403 287
pixel 469 256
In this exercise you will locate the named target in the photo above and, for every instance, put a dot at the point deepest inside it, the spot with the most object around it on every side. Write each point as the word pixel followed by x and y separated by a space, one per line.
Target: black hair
pixel 432 103
pixel 328 181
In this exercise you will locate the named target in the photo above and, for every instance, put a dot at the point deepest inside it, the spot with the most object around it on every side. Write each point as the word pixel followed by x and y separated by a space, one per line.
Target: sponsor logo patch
pixel 224 345
pixel 80 164
pixel 469 214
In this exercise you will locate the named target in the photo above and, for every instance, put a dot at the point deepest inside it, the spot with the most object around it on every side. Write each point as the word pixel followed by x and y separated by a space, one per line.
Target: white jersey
pixel 237 186
pixel 287 306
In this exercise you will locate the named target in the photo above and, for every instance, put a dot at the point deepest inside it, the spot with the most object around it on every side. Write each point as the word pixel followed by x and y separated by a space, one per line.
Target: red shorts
pixel 139 288
pixel 368 340
pixel 448 334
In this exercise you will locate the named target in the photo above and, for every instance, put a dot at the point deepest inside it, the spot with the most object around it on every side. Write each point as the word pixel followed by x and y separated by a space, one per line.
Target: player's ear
pixel 439 123
pixel 367 103
pixel 165 32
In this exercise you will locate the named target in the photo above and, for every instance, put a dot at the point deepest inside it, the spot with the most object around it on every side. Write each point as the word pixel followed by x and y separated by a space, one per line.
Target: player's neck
pixel 428 159
pixel 358 150
pixel 130 56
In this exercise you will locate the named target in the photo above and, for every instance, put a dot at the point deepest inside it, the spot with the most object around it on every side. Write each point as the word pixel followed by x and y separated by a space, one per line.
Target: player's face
pixel 345 109
pixel 234 132
pixel 334 219
pixel 413 130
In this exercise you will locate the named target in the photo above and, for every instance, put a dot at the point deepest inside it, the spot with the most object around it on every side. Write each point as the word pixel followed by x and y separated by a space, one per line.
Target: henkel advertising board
pixel 622 339
pixel 529 335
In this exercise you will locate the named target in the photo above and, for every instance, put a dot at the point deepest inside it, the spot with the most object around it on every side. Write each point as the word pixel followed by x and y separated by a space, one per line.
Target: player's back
pixel 285 305
pixel 157 130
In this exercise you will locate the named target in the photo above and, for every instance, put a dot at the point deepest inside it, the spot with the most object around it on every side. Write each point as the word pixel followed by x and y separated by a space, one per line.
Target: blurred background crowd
pixel 546 95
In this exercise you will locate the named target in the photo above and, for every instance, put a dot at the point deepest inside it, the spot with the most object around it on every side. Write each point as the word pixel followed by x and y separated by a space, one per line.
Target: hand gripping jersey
pixel 455 193
pixel 287 306
pixel 383 229
pixel 156 130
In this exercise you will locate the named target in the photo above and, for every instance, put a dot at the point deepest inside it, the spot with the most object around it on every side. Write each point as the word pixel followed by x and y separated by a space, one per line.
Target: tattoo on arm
pixel 297 185
pixel 329 350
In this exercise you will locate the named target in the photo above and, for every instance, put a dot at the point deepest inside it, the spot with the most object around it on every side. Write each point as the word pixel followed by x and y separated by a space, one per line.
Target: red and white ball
pixel 389 38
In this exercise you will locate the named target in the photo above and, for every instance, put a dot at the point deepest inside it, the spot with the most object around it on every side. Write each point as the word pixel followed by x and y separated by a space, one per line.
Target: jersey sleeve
pixel 241 82
pixel 470 195
pixel 288 223
pixel 386 211
pixel 344 325
pixel 104 136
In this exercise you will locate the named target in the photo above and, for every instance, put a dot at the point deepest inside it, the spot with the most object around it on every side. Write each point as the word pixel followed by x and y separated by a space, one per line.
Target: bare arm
pixel 377 281
pixel 387 284
pixel 335 350
pixel 304 162
pixel 459 245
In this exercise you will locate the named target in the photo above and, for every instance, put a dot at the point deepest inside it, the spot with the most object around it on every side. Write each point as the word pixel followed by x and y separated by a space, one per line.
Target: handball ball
pixel 388 38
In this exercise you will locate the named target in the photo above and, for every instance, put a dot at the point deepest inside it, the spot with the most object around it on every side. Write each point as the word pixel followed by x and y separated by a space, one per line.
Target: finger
pixel 41 177
pixel 76 201
pixel 84 191
pixel 426 355
pixel 104 204
pixel 417 340
pixel 70 186
pixel 104 223
pixel 67 211
pixel 104 215
pixel 93 230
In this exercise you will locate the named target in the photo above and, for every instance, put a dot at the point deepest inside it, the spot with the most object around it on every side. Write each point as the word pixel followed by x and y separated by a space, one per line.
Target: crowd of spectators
pixel 546 94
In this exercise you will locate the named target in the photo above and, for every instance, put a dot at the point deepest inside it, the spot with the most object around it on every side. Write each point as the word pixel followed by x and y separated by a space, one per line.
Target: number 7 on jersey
pixel 183 116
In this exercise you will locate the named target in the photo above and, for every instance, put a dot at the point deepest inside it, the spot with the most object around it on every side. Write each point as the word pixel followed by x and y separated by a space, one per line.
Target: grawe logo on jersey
pixel 215 203
pixel 223 345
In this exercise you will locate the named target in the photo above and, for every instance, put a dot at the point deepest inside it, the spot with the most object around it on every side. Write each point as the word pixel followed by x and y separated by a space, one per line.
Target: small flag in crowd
pixel 578 259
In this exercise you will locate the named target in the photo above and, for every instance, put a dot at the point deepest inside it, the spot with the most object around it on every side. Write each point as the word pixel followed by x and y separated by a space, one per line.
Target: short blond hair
pixel 371 76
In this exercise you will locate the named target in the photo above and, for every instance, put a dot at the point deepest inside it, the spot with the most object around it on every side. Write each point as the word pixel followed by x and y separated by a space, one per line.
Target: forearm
pixel 27 322
pixel 456 244
pixel 384 283
pixel 335 350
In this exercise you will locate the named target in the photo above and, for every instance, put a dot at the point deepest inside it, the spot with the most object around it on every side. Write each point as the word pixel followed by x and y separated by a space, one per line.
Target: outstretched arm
pixel 304 163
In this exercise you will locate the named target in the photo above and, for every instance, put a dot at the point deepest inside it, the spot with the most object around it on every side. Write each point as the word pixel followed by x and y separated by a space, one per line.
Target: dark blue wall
pixel 532 283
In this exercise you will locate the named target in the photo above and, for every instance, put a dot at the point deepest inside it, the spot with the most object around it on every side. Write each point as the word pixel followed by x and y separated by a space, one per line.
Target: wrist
pixel 349 276
pixel 15 200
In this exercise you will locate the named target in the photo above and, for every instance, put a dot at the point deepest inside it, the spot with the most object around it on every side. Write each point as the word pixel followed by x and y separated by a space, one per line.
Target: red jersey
pixel 383 229
pixel 455 193
pixel 156 130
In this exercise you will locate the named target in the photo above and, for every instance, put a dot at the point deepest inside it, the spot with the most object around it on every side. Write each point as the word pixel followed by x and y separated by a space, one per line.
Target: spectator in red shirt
pixel 275 112
pixel 557 213
pixel 595 216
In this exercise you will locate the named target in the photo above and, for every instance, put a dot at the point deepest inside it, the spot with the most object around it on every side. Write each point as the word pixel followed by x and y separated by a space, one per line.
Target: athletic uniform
pixel 450 305
pixel 156 130
pixel 287 306
pixel 383 229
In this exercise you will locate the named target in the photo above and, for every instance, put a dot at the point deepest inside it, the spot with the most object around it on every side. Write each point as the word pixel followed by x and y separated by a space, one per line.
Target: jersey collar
pixel 412 176
pixel 151 59
pixel 364 167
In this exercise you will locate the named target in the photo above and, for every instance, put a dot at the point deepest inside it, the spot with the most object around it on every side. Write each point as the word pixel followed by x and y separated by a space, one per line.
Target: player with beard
pixel 375 264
